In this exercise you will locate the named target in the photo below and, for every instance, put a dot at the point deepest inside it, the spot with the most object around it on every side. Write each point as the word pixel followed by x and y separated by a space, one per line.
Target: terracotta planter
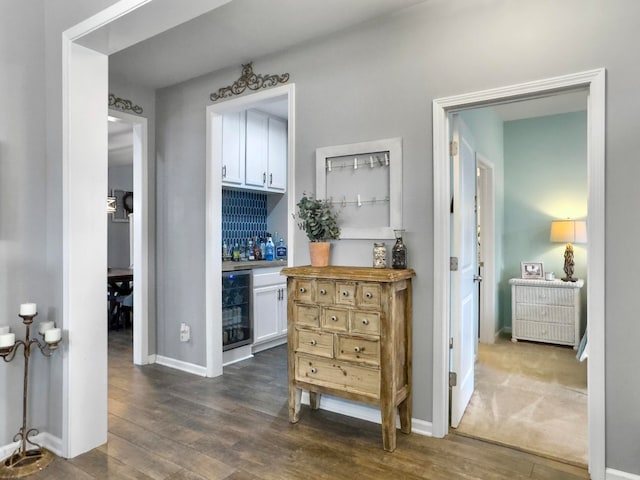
pixel 319 253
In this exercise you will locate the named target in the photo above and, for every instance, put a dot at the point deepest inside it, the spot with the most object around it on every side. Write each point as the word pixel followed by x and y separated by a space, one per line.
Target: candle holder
pixel 26 460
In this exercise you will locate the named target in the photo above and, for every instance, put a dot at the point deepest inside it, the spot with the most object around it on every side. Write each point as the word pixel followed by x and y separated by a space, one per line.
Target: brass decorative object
pixel 250 80
pixel 26 460
pixel 124 104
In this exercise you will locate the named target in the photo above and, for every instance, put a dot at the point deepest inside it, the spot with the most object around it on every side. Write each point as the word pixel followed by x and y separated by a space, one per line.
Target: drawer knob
pixel 302 289
pixel 334 318
pixel 369 295
pixel 323 292
pixel 345 293
pixel 357 349
pixel 313 342
pixel 314 370
pixel 365 321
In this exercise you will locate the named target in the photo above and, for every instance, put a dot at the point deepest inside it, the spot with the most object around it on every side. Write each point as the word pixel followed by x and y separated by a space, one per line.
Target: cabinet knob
pixel 345 293
pixel 365 321
pixel 224 171
pixel 369 295
pixel 334 318
pixel 264 177
pixel 323 292
pixel 357 349
pixel 314 370
pixel 271 179
pixel 302 289
pixel 313 342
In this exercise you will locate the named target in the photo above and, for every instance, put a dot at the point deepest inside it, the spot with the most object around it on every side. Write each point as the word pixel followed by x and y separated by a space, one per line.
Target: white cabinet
pixel 233 148
pixel 266 152
pixel 546 311
pixel 269 309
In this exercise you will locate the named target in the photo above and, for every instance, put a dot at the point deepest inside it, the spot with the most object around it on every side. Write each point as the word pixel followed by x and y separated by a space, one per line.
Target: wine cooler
pixel 237 322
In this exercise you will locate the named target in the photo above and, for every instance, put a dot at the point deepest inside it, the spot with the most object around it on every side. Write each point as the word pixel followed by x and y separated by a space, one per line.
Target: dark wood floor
pixel 169 425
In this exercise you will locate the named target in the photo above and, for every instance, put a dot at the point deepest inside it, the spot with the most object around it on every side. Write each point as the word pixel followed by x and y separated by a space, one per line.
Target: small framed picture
pixel 532 270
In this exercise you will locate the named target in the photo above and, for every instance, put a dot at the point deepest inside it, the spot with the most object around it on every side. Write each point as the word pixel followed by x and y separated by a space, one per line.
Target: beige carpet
pixel 531 396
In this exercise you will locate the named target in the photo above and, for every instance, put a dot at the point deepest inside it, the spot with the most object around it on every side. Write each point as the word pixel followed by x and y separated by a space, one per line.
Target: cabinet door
pixel 233 136
pixel 282 307
pixel 277 160
pixel 257 149
pixel 266 313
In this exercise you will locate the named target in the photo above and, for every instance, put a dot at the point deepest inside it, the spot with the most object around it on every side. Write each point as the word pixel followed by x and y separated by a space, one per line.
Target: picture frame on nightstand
pixel 532 270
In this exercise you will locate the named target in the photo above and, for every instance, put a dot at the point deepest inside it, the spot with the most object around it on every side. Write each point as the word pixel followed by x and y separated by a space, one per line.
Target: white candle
pixel 53 335
pixel 4 329
pixel 7 340
pixel 44 326
pixel 27 309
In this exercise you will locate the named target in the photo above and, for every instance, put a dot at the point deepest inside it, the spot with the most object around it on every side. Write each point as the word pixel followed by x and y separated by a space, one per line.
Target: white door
pixel 233 141
pixel 257 148
pixel 277 155
pixel 464 291
pixel 266 311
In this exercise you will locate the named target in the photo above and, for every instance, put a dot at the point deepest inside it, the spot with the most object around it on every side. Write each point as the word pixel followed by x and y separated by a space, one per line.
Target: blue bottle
pixel 281 250
pixel 269 249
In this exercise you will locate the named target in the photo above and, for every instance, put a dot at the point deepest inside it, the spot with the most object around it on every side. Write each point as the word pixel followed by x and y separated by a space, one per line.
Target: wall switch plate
pixel 185 332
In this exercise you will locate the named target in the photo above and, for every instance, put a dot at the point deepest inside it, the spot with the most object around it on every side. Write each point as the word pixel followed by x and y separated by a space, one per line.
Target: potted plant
pixel 319 221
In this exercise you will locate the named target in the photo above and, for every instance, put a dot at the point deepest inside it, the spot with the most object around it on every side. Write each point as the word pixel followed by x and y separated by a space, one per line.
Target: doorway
pixel 593 82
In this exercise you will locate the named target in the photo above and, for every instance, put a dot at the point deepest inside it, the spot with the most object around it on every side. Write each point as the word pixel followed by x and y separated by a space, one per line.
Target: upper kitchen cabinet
pixel 233 148
pixel 266 152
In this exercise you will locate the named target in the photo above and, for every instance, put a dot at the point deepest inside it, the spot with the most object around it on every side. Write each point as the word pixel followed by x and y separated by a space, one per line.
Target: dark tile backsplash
pixel 244 215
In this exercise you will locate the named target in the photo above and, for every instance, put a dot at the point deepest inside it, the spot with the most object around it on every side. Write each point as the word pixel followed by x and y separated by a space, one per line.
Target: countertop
pixel 251 265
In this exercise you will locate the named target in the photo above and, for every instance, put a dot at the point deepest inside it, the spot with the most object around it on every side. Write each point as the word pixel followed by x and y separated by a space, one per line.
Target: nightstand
pixel 546 311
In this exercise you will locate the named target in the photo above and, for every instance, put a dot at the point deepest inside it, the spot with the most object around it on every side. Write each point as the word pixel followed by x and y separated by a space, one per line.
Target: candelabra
pixel 26 460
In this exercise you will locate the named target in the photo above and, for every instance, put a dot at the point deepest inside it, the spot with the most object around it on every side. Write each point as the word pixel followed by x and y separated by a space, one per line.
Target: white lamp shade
pixel 568 231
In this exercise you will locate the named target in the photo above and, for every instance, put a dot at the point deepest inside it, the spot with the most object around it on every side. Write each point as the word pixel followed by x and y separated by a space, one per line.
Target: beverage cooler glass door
pixel 237 322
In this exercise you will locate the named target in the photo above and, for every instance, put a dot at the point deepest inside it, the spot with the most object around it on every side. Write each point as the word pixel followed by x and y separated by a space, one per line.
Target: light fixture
pixel 111 204
pixel 568 231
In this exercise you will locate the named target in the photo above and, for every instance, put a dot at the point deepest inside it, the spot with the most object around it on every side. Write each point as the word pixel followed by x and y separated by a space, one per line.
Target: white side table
pixel 545 311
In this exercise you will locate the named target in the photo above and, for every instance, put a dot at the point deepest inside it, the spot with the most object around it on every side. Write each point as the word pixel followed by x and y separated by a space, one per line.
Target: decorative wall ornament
pixel 124 104
pixel 250 80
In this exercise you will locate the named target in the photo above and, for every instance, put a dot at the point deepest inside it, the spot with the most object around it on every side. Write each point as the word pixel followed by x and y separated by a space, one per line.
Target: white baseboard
pixel 611 474
pixel 365 412
pixel 151 359
pixel 44 439
pixel 180 365
pixel 267 345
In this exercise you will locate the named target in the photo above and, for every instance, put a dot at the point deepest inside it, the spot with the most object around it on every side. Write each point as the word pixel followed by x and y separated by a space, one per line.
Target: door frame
pixel 593 81
pixel 140 225
pixel 487 205
pixel 213 211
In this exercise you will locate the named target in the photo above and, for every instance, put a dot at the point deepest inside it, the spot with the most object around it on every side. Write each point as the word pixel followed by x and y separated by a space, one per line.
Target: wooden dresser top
pixel 368 274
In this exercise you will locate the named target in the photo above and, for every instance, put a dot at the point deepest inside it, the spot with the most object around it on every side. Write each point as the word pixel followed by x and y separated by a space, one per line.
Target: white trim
pixel 612 474
pixel 140 226
pixel 594 82
pixel 236 355
pixel 44 439
pixel 365 412
pixel 213 189
pixel 151 359
pixel 486 203
pixel 275 342
pixel 180 365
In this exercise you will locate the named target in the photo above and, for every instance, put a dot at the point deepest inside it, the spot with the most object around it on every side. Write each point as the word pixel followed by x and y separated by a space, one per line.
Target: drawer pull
pixel 357 349
pixel 302 289
pixel 334 318
pixel 323 292
pixel 314 370
pixel 313 342
pixel 345 293
pixel 369 295
pixel 365 321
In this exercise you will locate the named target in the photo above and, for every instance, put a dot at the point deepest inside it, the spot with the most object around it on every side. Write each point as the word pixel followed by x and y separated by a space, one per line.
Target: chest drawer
pixel 303 290
pixel 365 322
pixel 368 295
pixel 314 342
pixel 545 332
pixel 307 315
pixel 337 374
pixel 544 295
pixel 358 349
pixel 335 319
pixel 325 292
pixel 345 293
pixel 545 313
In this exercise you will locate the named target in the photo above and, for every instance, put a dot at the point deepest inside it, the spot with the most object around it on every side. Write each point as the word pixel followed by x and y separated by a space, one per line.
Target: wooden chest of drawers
pixel 546 311
pixel 349 334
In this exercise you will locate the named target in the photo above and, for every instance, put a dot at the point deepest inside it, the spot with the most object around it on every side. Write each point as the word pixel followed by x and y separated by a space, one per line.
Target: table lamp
pixel 568 231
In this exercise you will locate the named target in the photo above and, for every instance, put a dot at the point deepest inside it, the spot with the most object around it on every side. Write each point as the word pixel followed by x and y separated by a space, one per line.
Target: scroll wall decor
pixel 250 80
pixel 124 104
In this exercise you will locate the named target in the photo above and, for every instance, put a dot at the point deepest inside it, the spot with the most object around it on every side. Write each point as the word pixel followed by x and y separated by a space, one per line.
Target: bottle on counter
pixel 236 252
pixel 250 252
pixel 269 249
pixel 263 248
pixel 281 250
pixel 225 251
pixel 257 253
pixel 243 251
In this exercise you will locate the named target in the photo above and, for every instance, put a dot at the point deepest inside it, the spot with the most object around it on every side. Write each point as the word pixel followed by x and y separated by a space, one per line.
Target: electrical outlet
pixel 185 332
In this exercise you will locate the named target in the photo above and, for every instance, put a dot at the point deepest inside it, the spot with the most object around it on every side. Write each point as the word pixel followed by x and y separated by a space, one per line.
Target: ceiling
pixel 239 32
pixel 540 107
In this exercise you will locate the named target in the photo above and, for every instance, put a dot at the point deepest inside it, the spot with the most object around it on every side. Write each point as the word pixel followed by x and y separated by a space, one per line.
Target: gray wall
pixel 375 81
pixel 120 178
